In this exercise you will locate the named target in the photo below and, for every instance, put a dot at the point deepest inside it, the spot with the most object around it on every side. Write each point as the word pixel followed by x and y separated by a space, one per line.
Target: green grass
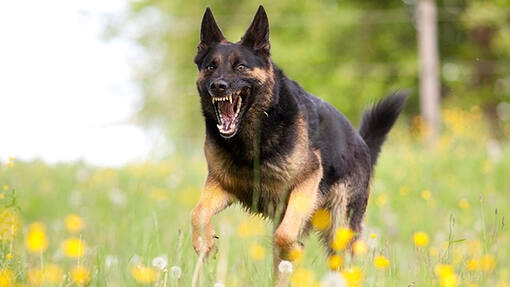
pixel 456 193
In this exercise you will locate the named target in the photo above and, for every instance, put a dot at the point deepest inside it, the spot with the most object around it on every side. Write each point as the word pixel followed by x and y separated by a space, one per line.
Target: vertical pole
pixel 426 13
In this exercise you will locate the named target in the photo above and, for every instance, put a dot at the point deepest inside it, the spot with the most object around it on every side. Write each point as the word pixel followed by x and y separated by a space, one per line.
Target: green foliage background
pixel 347 52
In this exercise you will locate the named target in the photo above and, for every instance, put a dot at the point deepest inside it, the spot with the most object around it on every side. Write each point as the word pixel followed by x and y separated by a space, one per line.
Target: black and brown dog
pixel 276 149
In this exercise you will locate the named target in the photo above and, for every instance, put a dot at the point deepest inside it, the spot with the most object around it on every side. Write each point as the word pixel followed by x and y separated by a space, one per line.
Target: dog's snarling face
pixel 233 76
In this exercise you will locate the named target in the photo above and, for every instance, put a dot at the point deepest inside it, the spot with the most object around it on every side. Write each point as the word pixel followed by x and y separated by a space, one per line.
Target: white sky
pixel 65 94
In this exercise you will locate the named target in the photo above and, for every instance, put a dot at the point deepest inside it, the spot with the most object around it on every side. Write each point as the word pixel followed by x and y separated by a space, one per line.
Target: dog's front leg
pixel 303 201
pixel 213 200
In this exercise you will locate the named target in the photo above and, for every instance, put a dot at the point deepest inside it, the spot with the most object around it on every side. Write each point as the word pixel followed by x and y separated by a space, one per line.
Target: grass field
pixel 436 217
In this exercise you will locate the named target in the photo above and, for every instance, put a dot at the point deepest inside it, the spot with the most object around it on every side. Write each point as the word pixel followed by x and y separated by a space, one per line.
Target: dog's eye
pixel 210 67
pixel 240 67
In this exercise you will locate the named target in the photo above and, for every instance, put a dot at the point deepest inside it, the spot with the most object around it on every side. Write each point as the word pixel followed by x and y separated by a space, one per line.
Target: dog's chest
pixel 260 187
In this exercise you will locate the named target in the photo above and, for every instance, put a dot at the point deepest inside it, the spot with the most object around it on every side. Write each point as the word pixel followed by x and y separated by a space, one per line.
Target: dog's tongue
pixel 226 110
pixel 227 114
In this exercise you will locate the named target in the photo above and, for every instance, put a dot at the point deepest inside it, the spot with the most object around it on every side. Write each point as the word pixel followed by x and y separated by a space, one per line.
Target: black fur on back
pixel 378 120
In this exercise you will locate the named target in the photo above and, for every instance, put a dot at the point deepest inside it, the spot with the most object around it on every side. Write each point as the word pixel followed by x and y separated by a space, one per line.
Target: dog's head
pixel 234 78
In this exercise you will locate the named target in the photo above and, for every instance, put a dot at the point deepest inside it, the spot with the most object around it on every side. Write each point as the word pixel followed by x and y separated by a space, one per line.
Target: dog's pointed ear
pixel 257 35
pixel 210 33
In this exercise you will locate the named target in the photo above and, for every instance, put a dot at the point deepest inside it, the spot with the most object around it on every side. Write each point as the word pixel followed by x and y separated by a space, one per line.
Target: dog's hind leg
pixel 346 203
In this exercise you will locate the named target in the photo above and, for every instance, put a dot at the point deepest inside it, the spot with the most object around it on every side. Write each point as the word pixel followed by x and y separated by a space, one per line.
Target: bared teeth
pixel 225 98
pixel 239 104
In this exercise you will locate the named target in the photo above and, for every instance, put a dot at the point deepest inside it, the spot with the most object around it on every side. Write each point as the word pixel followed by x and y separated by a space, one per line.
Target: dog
pixel 276 149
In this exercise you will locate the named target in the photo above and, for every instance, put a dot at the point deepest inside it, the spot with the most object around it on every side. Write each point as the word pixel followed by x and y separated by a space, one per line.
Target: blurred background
pixel 114 82
pixel 101 135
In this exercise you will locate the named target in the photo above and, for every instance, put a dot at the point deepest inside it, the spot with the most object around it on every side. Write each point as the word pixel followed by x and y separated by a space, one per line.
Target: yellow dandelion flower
pixel 353 276
pixel 74 247
pixel 381 262
pixel 6 278
pixel 52 273
pixel 321 219
pixel 404 190
pixel 159 194
pixel 464 203
pixel 10 222
pixel 252 226
pixel 36 240
pixel 295 254
pixel 74 223
pixel 8 256
pixel 487 166
pixel 10 164
pixel 472 264
pixel 446 275
pixel 381 200
pixel 335 262
pixel 80 274
pixel 6 187
pixel 359 248
pixel 440 269
pixel 487 263
pixel 449 280
pixel 426 194
pixel 35 276
pixel 144 274
pixel 342 238
pixel 373 235
pixel 302 278
pixel 257 252
pixel 421 239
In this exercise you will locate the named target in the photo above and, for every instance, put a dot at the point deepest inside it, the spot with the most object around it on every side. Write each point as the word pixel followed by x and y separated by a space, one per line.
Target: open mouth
pixel 228 111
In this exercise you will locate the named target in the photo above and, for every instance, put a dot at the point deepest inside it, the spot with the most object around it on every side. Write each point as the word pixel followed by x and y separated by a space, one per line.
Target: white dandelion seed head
pixel 219 284
pixel 285 267
pixel 333 279
pixel 494 149
pixel 160 262
pixel 135 259
pixel 111 260
pixel 118 197
pixel 176 272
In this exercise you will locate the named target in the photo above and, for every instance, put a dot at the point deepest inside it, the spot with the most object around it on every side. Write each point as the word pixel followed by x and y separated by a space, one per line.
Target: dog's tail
pixel 378 121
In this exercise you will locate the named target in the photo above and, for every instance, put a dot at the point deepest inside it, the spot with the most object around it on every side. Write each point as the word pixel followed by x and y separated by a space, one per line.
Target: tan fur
pixel 213 200
pixel 302 203
pixel 275 178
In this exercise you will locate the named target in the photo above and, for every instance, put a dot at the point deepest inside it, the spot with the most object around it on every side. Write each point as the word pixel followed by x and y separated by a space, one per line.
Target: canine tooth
pixel 230 99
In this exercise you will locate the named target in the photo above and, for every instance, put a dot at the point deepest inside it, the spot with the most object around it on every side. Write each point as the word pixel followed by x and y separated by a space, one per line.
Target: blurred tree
pixel 347 52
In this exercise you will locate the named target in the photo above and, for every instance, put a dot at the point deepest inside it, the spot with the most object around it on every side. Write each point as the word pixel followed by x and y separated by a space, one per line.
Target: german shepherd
pixel 276 149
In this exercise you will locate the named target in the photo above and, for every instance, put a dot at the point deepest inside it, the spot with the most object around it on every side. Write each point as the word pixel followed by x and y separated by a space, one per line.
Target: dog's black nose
pixel 218 86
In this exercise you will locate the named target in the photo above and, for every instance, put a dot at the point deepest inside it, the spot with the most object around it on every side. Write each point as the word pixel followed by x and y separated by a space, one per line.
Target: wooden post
pixel 426 16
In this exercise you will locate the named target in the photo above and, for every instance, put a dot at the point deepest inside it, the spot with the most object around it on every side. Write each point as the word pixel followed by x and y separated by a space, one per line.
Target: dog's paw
pixel 205 245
